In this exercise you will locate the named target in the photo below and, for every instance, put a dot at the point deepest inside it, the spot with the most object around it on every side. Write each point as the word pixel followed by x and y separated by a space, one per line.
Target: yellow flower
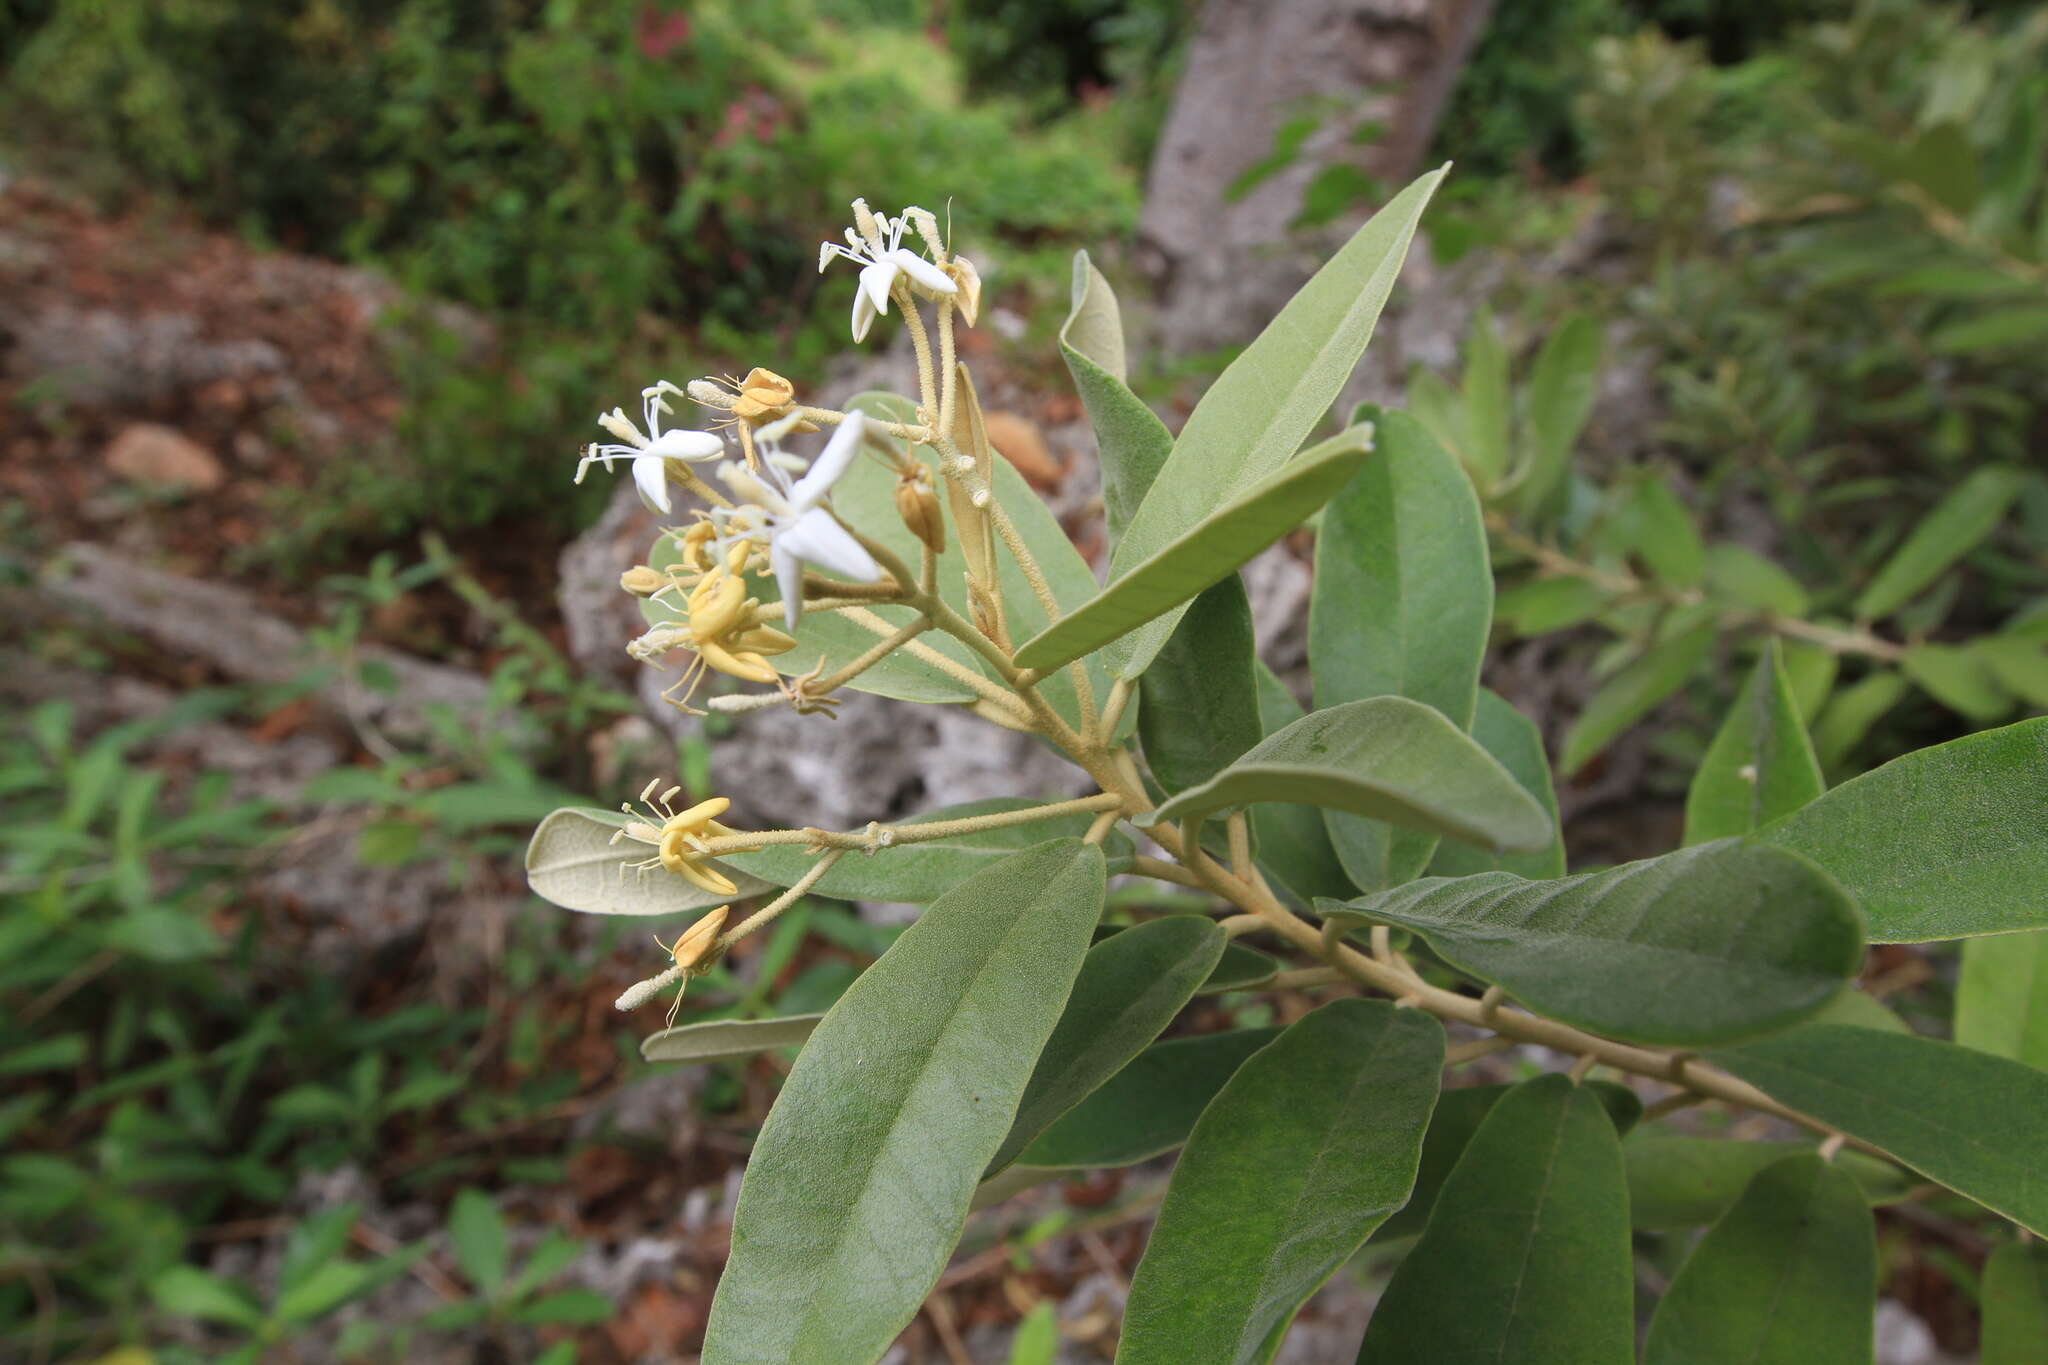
pixel 679 838
pixel 718 623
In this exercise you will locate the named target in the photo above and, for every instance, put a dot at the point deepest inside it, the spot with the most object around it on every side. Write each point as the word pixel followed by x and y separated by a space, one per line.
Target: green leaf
pixel 893 1110
pixel 1971 1121
pixel 2002 999
pixel 1721 940
pixel 1958 523
pixel 2016 1305
pixel 1246 428
pixel 1686 1182
pixel 1239 969
pixel 1959 679
pixel 572 862
pixel 1311 1145
pixel 1653 523
pixel 1741 575
pixel 1292 841
pixel 1853 711
pixel 1130 987
pixel 1198 703
pixel 1150 1106
pixel 565 1307
pixel 1152 590
pixel 1131 442
pixel 1561 390
pixel 1542 605
pixel 1514 740
pixel 1786 1277
pixel 1760 765
pixel 1389 758
pixel 476 1231
pixel 1945 842
pixel 1038 1336
pixel 915 874
pixel 1994 329
pixel 717 1040
pixel 1633 693
pixel 2019 666
pixel 1488 410
pixel 1402 601
pixel 1459 1112
pixel 326 1289
pixel 1526 1256
pixel 188 1292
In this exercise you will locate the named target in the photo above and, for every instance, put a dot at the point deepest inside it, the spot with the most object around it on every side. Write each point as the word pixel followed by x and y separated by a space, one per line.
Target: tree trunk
pixel 1223 263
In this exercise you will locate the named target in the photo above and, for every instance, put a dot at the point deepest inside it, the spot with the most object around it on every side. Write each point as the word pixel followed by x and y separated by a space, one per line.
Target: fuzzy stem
pixel 877 837
pixel 766 914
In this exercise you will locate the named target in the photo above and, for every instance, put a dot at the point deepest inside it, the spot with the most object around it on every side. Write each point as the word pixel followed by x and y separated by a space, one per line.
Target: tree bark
pixel 1222 264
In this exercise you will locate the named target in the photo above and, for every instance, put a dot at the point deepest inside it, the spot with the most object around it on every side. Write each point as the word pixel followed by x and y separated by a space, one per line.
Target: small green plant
pixel 1857 636
pixel 1397 847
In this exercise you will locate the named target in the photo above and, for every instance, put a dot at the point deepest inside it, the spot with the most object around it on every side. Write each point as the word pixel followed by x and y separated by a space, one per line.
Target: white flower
pixel 879 251
pixel 791 516
pixel 648 452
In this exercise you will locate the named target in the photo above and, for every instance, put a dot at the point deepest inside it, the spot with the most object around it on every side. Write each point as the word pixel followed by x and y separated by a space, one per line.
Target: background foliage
pixel 1820 230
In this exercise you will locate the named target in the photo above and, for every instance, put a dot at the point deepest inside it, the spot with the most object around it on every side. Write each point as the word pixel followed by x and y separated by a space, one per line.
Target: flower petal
pixel 693 446
pixel 817 538
pixel 650 475
pixel 923 271
pixel 876 281
pixel 789 578
pixel 863 314
pixel 826 469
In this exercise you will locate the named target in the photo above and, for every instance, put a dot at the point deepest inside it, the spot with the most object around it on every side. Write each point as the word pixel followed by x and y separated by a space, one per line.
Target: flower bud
pixel 642 581
pixel 919 508
pixel 697 939
pixel 968 301
pixel 709 393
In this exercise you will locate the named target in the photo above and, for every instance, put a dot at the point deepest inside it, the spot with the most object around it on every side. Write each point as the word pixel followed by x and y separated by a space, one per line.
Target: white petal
pixel 876 281
pixel 688 445
pixel 863 314
pixel 839 453
pixel 789 579
pixel 817 538
pixel 923 271
pixel 651 477
pixel 826 251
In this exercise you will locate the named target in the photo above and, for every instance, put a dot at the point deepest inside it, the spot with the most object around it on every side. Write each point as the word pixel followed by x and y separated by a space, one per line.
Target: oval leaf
pixel 1389 758
pixel 1198 703
pixel 1760 765
pixel 1305 1152
pixel 1150 1106
pixel 1976 1123
pixel 716 1040
pixel 1153 588
pixel 1459 1112
pixel 1248 425
pixel 1130 987
pixel 1402 601
pixel 1945 842
pixel 572 862
pixel 1526 1257
pixel 892 1112
pixel 1723 940
pixel 1786 1277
